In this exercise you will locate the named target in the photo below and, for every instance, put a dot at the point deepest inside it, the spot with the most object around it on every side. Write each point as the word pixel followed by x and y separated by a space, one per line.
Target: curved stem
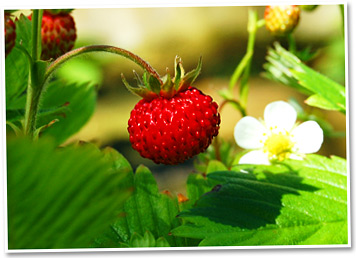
pixel 236 104
pixel 103 48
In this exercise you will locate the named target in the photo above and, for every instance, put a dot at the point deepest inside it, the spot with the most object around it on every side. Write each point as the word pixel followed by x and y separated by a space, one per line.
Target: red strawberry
pixel 10 34
pixel 281 19
pixel 58 33
pixel 174 121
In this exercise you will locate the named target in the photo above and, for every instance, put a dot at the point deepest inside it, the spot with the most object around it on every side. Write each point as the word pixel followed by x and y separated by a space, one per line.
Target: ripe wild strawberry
pixel 10 34
pixel 281 19
pixel 58 33
pixel 174 121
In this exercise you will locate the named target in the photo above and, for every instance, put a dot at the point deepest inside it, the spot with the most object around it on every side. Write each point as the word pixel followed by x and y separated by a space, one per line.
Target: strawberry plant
pixel 269 186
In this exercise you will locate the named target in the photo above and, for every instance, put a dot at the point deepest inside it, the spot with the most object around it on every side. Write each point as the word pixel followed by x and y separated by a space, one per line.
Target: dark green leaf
pixel 77 101
pixel 24 33
pixel 147 210
pixel 16 79
pixel 59 198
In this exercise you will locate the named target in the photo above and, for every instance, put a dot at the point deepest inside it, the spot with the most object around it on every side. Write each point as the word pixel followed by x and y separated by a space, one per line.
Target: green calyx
pixel 150 87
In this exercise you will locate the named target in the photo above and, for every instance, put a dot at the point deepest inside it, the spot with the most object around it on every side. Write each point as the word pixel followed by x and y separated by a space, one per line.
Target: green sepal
pixel 154 84
pixel 141 91
pixel 190 77
pixel 167 89
pixel 179 72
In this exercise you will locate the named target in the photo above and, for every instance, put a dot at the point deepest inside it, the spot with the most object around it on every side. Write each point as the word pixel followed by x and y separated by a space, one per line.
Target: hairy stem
pixel 102 48
pixel 35 85
pixel 36 33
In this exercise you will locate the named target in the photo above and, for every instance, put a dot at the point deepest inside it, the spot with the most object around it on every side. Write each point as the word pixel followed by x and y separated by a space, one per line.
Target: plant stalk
pixel 102 48
pixel 252 30
pixel 35 85
pixel 243 68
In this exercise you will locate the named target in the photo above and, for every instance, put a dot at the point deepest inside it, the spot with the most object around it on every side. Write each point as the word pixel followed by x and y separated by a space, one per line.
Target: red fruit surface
pixel 281 19
pixel 58 34
pixel 10 34
pixel 170 131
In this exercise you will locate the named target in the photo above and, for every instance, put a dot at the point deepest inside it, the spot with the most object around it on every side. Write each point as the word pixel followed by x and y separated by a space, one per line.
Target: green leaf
pixel 81 71
pixel 318 101
pixel 293 203
pixel 60 198
pixel 24 33
pixel 287 68
pixel 17 65
pixel 75 104
pixel 197 185
pixel 16 79
pixel 147 210
pixel 215 165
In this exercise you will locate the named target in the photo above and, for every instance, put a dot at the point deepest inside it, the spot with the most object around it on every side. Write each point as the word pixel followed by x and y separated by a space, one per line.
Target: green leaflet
pixel 286 68
pixel 75 104
pixel 296 202
pixel 60 198
pixel 17 65
pixel 147 210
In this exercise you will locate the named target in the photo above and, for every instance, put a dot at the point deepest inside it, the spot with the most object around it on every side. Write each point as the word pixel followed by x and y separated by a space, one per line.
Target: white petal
pixel 280 114
pixel 308 137
pixel 248 133
pixel 257 157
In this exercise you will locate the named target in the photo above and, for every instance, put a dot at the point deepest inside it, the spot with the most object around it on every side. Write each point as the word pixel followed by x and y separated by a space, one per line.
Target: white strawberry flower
pixel 278 137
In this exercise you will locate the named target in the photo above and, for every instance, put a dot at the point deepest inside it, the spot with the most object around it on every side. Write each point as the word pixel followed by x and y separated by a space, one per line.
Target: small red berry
pixel 58 33
pixel 169 131
pixel 174 121
pixel 10 34
pixel 281 19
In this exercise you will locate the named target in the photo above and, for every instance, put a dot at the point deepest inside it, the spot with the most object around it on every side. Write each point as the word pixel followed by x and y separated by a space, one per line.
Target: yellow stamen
pixel 279 146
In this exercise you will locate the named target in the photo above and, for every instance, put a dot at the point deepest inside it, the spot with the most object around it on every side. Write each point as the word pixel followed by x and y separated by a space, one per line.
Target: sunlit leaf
pixel 296 202
pixel 286 68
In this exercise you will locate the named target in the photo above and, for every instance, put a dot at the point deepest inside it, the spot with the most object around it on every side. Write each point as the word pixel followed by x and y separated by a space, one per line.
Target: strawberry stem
pixel 102 48
pixel 35 86
pixel 36 33
pixel 243 68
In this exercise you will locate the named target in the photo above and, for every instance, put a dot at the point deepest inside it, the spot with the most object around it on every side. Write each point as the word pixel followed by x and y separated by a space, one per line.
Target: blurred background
pixel 219 35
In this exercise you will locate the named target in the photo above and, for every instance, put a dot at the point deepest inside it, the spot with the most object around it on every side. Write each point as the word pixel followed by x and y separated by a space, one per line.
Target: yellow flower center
pixel 278 146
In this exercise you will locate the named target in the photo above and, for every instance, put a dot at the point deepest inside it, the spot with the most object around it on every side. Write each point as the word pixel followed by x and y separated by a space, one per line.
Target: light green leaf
pixel 215 165
pixel 285 67
pixel 60 198
pixel 296 202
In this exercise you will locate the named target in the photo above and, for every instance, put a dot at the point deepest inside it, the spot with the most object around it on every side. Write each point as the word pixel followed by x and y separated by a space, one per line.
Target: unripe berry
pixel 281 19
